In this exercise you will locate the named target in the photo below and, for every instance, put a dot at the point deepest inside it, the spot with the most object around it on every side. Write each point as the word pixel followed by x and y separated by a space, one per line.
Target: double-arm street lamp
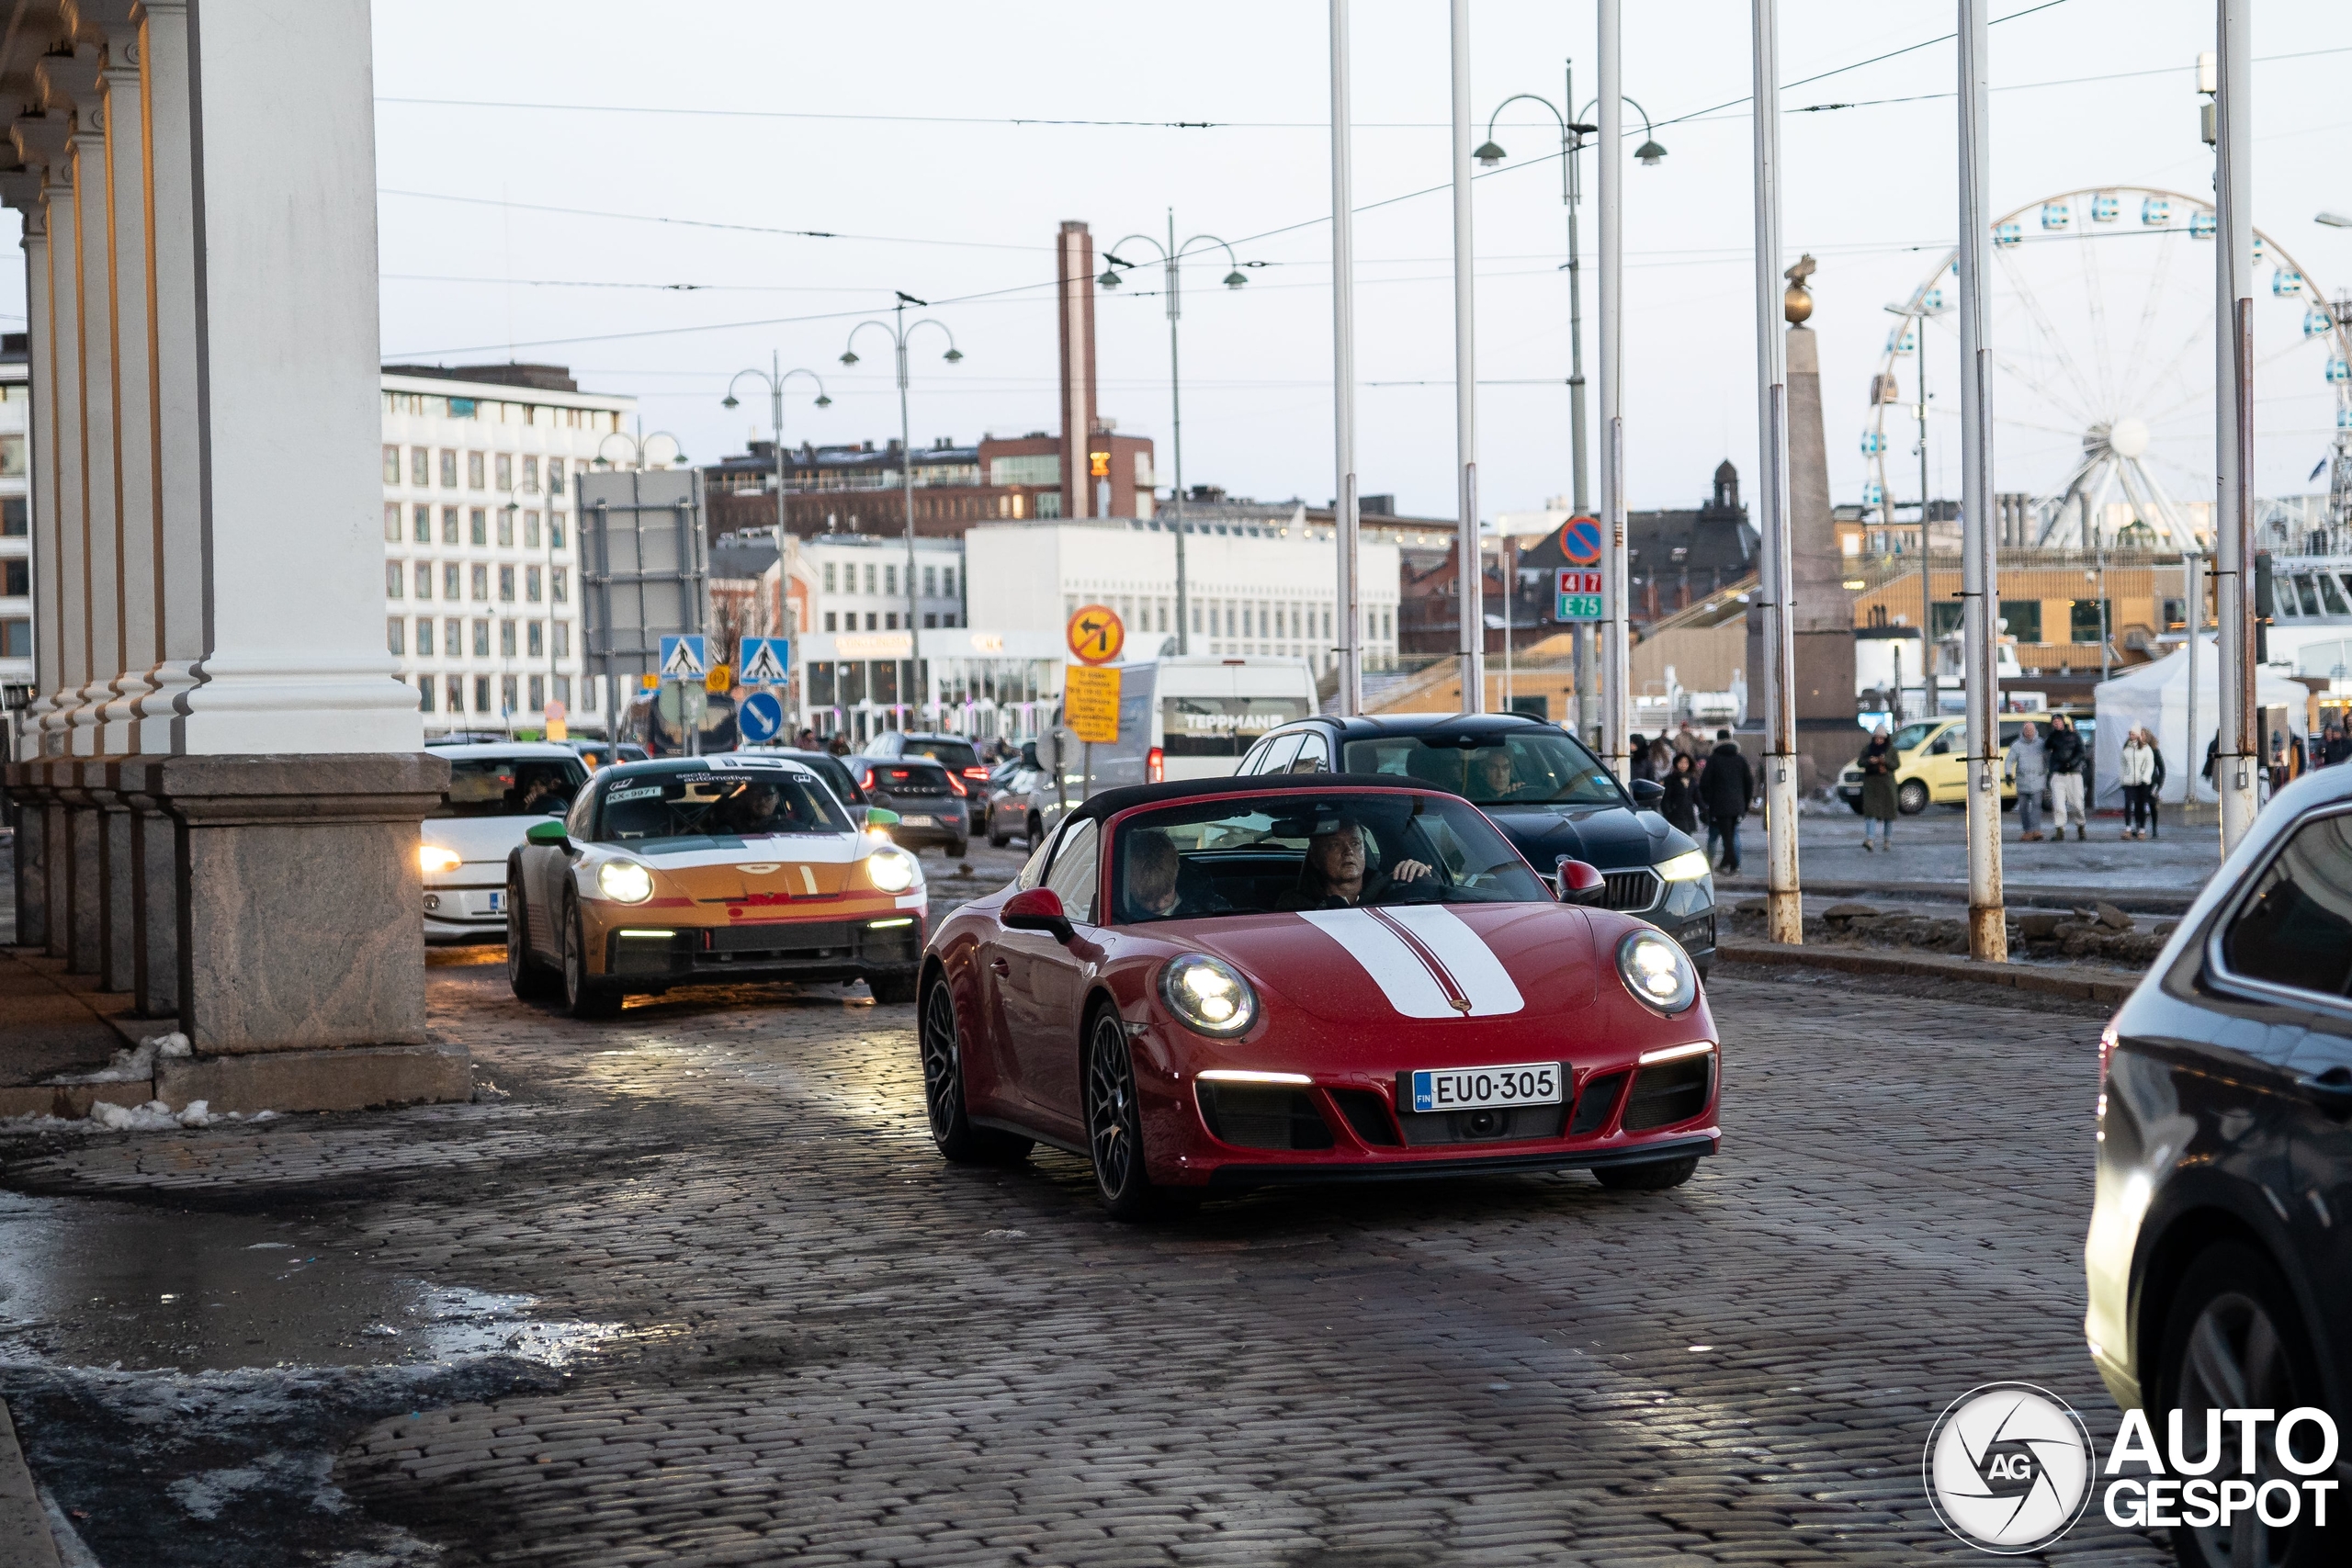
pixel 773 381
pixel 1171 256
pixel 899 329
pixel 659 450
pixel 1572 142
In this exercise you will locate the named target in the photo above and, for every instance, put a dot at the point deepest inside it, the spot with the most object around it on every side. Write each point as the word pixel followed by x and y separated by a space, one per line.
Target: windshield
pixel 486 786
pixel 717 807
pixel 1910 735
pixel 1311 851
pixel 1530 767
pixel 956 754
pixel 1222 726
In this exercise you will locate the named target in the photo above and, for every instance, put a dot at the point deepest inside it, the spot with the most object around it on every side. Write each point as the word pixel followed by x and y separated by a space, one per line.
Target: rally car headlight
pixel 1658 972
pixel 435 860
pixel 1209 995
pixel 624 881
pixel 1687 866
pixel 891 870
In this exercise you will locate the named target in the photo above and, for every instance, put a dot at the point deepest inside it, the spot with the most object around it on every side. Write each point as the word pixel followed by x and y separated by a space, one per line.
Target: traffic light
pixel 2266 602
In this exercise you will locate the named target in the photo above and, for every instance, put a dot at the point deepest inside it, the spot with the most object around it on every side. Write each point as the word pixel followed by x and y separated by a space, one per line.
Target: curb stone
pixel 2070 981
pixel 25 1540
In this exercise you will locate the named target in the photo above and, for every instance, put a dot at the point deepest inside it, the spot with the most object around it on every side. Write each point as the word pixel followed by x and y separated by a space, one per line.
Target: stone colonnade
pixel 222 818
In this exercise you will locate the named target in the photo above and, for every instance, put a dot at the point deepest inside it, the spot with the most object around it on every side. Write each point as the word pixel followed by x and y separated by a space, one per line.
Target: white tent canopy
pixel 2156 697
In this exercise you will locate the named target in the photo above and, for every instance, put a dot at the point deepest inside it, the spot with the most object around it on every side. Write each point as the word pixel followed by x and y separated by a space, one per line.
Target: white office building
pixel 1253 589
pixel 481 554
pixel 16 682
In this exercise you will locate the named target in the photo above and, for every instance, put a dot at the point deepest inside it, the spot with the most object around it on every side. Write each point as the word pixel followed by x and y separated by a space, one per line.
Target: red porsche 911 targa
pixel 1226 982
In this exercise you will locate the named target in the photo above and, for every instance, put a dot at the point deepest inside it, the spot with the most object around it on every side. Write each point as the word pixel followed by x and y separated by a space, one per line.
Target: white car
pixel 496 792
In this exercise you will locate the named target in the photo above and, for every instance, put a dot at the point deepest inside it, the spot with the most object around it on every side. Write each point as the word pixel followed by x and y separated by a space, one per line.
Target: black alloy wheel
pixel 525 973
pixel 1036 832
pixel 1649 1175
pixel 1114 1120
pixel 583 996
pixel 959 1142
pixel 2233 1340
pixel 998 837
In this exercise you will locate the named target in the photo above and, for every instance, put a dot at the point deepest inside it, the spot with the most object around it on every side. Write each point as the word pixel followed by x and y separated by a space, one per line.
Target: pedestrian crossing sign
pixel 683 659
pixel 766 660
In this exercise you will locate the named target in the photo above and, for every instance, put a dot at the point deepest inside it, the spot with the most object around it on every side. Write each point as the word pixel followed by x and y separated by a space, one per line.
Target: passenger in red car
pixel 1338 875
pixel 1155 881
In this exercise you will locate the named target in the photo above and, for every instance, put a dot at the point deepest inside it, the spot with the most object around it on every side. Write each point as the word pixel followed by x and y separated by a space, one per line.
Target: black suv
pixel 2220 1253
pixel 1551 797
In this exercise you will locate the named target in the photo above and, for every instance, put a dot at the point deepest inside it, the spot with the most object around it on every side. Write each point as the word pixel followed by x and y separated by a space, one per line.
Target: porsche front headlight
pixel 1687 866
pixel 1209 995
pixel 437 861
pixel 624 881
pixel 1656 970
pixel 891 869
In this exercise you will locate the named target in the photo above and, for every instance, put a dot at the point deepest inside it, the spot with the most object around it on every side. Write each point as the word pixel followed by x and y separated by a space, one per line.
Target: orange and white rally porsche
pixel 695 870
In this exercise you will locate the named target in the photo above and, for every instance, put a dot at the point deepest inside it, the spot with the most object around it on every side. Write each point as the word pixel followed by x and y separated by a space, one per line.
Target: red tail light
pixel 956 785
pixel 981 774
pixel 865 778
pixel 1155 767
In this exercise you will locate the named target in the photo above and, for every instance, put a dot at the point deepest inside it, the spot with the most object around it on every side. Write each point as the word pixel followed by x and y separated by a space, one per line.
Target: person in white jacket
pixel 2139 776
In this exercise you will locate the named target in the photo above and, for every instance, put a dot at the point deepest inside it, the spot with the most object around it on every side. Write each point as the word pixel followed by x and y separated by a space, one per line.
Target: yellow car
pixel 695 870
pixel 1933 764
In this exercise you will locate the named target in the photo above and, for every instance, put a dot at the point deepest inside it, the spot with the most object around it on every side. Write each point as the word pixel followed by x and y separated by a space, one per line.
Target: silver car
pixel 496 792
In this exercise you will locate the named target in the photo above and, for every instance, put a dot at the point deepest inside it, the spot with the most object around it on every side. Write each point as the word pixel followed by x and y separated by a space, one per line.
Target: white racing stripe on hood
pixel 1475 969
pixel 1395 967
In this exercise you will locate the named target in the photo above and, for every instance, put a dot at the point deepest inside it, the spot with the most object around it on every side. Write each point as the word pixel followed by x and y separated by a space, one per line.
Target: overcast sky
pixel 890 125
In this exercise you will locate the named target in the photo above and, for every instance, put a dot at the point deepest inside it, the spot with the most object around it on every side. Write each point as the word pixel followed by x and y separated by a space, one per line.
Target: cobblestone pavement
pixel 708 1296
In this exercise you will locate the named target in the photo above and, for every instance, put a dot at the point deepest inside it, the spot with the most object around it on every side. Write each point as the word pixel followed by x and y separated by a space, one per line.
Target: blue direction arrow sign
pixel 684 658
pixel 766 661
pixel 760 718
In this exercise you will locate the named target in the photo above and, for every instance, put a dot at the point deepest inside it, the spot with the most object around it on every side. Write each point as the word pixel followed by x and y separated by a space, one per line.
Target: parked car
pixel 496 792
pixel 931 799
pixel 697 869
pixel 2220 1251
pixel 955 753
pixel 1215 984
pixel 1933 766
pixel 1551 797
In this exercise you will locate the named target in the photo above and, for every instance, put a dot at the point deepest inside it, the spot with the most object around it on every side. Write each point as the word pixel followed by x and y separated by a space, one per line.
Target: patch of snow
pixel 133 1066
pixel 157 1117
pixel 1004 1235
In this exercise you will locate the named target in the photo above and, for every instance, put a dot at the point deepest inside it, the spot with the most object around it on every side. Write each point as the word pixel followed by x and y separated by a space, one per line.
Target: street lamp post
pixel 773 380
pixel 899 329
pixel 1572 135
pixel 1345 519
pixel 1915 315
pixel 1171 256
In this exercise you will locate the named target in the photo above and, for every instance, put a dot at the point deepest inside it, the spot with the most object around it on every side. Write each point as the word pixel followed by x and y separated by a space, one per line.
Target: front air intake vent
pixel 1595 1104
pixel 1255 1116
pixel 1668 1093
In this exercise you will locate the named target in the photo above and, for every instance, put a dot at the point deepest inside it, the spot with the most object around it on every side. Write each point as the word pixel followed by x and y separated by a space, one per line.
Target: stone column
pixel 32 862
pixel 155 844
pixel 40 140
pixel 177 381
pixel 117 967
pixel 84 868
pixel 20 188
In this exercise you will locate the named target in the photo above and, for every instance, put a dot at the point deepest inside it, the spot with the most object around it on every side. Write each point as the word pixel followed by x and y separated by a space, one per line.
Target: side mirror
pixel 880 816
pixel 1037 910
pixel 1647 792
pixel 1582 882
pixel 549 832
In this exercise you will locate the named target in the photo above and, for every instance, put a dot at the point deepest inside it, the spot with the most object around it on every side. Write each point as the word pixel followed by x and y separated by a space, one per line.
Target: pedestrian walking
pixel 1727 789
pixel 1878 762
pixel 2064 753
pixel 2030 771
pixel 2286 761
pixel 1638 764
pixel 1680 805
pixel 2338 747
pixel 838 745
pixel 2139 773
pixel 2155 783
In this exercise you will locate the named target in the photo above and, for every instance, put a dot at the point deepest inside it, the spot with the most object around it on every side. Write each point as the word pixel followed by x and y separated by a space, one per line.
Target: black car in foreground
pixel 2220 1253
pixel 1551 797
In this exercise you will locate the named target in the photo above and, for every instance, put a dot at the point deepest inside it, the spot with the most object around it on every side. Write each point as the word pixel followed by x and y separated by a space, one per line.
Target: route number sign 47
pixel 1580 596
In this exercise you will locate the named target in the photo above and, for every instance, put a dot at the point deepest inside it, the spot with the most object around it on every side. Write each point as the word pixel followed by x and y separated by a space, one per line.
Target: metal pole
pixel 906 477
pixel 1504 558
pixel 1613 608
pixel 1930 707
pixel 1980 675
pixel 2234 570
pixel 1472 653
pixel 1344 519
pixel 1572 144
pixel 2192 571
pixel 1784 901
pixel 1176 437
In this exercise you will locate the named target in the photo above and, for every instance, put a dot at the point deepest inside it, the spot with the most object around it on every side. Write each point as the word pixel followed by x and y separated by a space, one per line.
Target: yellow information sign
pixel 720 680
pixel 1091 704
pixel 648 683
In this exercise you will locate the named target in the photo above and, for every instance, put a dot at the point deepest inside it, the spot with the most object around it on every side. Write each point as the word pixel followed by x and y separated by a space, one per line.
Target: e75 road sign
pixel 1580 596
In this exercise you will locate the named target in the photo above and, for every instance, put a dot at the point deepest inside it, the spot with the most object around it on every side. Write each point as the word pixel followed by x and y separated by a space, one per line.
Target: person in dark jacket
pixel 1680 805
pixel 1878 764
pixel 2064 753
pixel 1725 791
pixel 2337 747
pixel 1638 761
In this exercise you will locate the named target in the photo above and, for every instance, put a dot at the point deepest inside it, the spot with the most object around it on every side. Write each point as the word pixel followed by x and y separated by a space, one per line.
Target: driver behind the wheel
pixel 1337 873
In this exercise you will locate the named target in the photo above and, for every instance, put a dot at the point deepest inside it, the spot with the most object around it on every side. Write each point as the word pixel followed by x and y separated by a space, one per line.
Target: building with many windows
pixel 482 560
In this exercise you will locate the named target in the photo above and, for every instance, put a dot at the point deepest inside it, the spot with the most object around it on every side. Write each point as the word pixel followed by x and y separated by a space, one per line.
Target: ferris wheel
pixel 2100 315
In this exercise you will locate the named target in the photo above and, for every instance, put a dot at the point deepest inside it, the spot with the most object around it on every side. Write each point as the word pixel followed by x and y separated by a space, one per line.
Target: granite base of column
pixel 299 899
pixel 155 912
pixel 119 871
pixel 29 889
pixel 358 1077
pixel 86 876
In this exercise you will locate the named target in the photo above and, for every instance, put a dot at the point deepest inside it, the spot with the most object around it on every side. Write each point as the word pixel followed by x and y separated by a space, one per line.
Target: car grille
pixel 1595 1105
pixel 1255 1117
pixel 1367 1113
pixel 1633 891
pixel 817 938
pixel 1494 1126
pixel 1668 1093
